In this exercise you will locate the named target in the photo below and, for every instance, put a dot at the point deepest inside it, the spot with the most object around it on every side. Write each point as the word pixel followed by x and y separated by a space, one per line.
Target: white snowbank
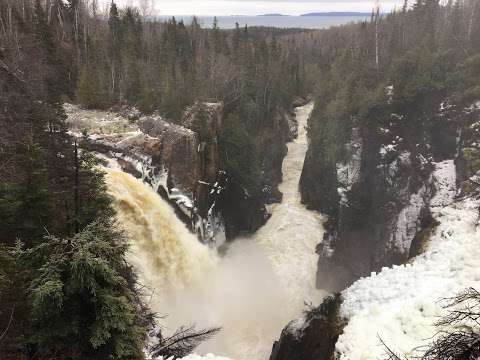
pixel 97 122
pixel 407 222
pixel 400 304
pixel 205 357
pixel 198 357
pixel 445 179
pixel 297 326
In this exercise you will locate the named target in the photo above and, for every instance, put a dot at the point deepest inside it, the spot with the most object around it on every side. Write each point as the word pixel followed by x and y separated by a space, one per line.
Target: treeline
pixel 387 78
pixel 104 60
pixel 125 58
pixel 167 66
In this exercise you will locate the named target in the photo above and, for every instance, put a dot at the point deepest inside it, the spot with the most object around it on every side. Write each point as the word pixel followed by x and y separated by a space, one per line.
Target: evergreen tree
pixel 81 303
pixel 475 28
pixel 238 153
pixel 114 43
pixel 216 36
pixel 55 78
pixel 236 38
pixel 131 51
pixel 90 91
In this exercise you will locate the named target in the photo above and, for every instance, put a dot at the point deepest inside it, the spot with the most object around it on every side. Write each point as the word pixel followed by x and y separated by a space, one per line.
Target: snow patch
pixel 407 221
pixel 400 304
pixel 389 90
pixel 297 326
pixel 445 177
pixel 196 357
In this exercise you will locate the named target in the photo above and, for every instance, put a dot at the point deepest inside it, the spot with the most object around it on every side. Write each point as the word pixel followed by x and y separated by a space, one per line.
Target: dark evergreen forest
pixel 66 290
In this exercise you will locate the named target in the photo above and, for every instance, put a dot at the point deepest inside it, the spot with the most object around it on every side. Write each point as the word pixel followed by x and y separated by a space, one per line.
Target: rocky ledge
pixel 313 336
pixel 181 161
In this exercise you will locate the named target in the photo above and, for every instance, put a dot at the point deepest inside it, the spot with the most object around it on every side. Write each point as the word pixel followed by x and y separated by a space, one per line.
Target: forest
pixel 399 84
pixel 66 289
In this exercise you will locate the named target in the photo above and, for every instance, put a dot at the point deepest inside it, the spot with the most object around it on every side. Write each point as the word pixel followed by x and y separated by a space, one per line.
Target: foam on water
pixel 253 291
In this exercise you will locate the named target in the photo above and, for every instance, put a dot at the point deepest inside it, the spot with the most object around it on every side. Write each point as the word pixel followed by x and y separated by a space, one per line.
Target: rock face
pixel 312 337
pixel 273 144
pixel 182 163
pixel 241 212
pixel 244 213
pixel 376 193
pixel 175 149
pixel 467 161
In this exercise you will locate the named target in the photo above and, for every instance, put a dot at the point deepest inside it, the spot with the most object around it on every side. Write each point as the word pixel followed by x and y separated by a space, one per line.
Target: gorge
pixel 242 290
pixel 173 190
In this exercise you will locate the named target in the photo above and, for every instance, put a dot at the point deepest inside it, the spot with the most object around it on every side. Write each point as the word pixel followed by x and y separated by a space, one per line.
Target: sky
pixel 254 7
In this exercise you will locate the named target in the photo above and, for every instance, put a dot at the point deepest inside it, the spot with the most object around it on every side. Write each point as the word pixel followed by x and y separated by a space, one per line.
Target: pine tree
pixel 114 43
pixel 80 299
pixel 216 37
pixel 55 77
pixel 132 31
pixel 238 153
pixel 13 312
pixel 475 28
pixel 236 38
pixel 90 92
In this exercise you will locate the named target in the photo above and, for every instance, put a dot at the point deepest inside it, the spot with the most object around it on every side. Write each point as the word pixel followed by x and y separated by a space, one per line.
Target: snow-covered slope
pixel 205 357
pixel 199 357
pixel 401 304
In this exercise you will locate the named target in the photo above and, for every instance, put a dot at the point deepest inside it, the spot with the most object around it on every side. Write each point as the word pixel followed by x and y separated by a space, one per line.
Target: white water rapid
pixel 253 291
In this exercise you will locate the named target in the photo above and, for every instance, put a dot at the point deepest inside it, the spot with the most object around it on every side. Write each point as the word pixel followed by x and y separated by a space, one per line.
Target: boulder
pixel 312 337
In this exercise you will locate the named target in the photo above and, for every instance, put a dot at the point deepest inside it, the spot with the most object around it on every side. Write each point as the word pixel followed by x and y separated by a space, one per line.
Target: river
pixel 252 291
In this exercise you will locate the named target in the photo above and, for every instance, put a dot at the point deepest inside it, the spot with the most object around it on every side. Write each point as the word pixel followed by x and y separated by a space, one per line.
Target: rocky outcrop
pixel 241 212
pixel 467 161
pixel 379 195
pixel 301 101
pixel 313 336
pixel 174 159
pixel 182 163
pixel 175 150
pixel 376 194
pixel 245 212
pixel 273 141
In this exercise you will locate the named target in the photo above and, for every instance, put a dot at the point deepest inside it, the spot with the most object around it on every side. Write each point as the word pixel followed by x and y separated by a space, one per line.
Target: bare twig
pixel 4 333
pixel 182 342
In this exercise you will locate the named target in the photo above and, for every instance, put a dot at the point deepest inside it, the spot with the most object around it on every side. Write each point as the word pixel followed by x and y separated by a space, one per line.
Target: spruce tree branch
pixel 8 325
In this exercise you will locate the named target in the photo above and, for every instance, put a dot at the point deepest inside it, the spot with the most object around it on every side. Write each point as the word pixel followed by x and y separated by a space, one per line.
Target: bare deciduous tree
pixel 458 337
pixel 181 343
pixel 146 7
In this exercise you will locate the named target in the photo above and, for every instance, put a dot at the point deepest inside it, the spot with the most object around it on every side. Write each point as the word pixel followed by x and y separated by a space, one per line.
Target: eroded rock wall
pixel 313 336
pixel 376 194
pixel 182 163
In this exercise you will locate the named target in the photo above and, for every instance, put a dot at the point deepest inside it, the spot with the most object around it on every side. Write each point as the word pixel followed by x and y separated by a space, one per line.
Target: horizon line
pixel 359 13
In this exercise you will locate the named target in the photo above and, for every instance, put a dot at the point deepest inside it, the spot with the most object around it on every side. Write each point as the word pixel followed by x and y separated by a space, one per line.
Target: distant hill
pixel 274 15
pixel 347 13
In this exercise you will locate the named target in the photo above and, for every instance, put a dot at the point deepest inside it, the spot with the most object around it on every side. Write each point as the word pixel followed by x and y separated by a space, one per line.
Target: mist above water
pixel 253 291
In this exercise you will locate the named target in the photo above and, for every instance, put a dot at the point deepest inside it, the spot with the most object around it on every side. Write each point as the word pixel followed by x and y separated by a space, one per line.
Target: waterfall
pixel 293 232
pixel 166 255
pixel 253 291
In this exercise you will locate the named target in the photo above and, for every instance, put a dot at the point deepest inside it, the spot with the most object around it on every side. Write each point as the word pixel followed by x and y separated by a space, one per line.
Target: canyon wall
pixel 181 161
pixel 380 198
pixel 377 193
